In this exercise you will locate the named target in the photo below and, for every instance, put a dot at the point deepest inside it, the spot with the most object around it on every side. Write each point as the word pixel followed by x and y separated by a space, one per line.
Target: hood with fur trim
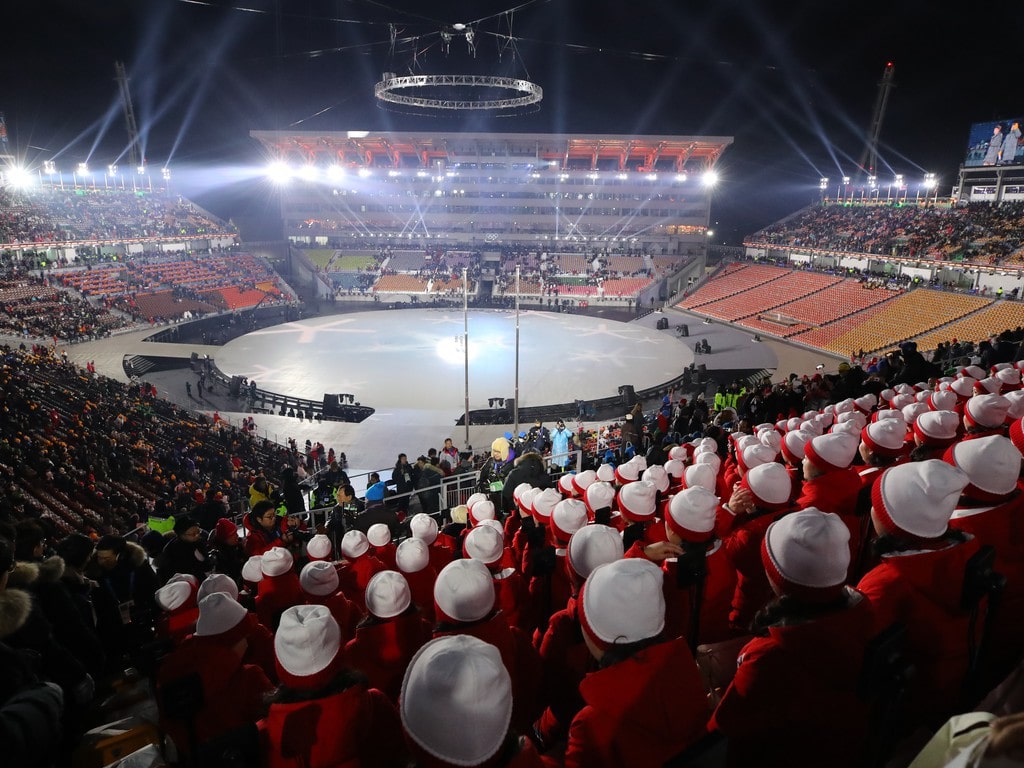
pixel 25 574
pixel 135 555
pixel 15 607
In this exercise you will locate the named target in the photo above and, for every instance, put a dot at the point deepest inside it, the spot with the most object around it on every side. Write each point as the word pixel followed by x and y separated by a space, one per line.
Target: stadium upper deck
pixel 617 192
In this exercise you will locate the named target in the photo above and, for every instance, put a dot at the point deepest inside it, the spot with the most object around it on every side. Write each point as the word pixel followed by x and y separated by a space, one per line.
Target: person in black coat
pixel 124 597
pixel 292 493
pixel 528 468
pixel 185 553
pixel 30 713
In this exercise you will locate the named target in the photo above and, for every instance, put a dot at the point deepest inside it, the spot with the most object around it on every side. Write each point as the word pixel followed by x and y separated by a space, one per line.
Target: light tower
pixel 869 159
pixel 129 114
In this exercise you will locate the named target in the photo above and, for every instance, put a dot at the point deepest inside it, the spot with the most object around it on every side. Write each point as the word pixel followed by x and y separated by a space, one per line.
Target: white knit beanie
pixel 657 475
pixel 593 545
pixel 691 514
pixel 461 680
pixel 992 463
pixel 277 561
pixel 485 544
pixel 307 645
pixel 387 594
pixel 568 516
pixel 464 591
pixel 173 595
pixel 219 613
pixel 599 495
pixel 623 602
pixel 319 578
pixel 806 554
pixel 412 556
pixel 700 476
pixel 482 510
pixel 252 569
pixel 423 527
pixel 378 534
pixel 319 547
pixel 217 582
pixel 917 498
pixel 354 544
pixel 637 501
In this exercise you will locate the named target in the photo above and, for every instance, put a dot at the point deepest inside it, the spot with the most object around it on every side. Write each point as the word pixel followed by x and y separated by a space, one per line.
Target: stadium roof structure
pixel 593 152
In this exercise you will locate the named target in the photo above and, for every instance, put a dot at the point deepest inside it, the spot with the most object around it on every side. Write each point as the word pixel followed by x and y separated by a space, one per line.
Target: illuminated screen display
pixel 988 146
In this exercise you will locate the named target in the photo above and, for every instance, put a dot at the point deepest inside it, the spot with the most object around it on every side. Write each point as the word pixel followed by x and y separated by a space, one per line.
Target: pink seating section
pixel 733 279
pixel 789 286
pixel 625 286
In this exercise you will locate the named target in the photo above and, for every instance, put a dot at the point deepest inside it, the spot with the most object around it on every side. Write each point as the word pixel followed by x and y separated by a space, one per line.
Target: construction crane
pixel 129 114
pixel 869 159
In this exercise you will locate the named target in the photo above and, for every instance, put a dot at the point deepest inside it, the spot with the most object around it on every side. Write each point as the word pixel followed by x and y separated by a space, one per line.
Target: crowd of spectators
pixel 977 233
pixel 813 514
pixel 49 214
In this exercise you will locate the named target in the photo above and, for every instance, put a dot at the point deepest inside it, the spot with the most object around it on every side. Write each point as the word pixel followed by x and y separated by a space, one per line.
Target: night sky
pixel 794 83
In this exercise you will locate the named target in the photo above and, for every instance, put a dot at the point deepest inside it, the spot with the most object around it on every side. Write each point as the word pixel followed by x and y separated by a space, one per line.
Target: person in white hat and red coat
pixel 321 586
pixel 464 605
pixel 423 527
pixel 381 545
pixel 563 652
pixel 324 713
pixel 357 568
pixel 412 560
pixel 764 495
pixel 830 481
pixel 794 699
pixel 985 415
pixel 692 545
pixel 646 702
pixel 389 635
pixel 456 708
pixel 991 508
pixel 637 503
pixel 534 549
pixel 919 577
pixel 279 589
pixel 934 432
pixel 220 623
pixel 178 606
pixel 511 591
pixel 233 691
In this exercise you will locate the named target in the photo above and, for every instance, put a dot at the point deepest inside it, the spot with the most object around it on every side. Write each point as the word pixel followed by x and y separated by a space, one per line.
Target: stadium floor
pixel 408 364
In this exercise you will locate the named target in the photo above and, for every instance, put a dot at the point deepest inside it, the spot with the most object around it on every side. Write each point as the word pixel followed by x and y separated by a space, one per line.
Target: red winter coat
pixel 794 698
pixel 421 586
pixel 922 590
pixel 232 691
pixel 354 575
pixel 519 656
pixel 342 609
pixel 1002 526
pixel 639 712
pixel 743 548
pixel 356 728
pixel 512 597
pixel 383 648
pixel 566 661
pixel 275 595
pixel 386 555
pixel 178 624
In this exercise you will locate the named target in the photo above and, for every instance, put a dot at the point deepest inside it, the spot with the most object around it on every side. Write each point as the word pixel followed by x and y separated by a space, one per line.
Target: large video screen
pixel 997 142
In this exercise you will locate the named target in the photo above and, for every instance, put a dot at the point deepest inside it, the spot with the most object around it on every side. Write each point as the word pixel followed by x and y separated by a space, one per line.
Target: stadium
pixel 488 430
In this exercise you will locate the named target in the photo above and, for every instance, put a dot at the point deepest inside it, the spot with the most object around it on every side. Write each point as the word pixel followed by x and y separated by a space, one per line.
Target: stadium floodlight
pixel 710 177
pixel 83 169
pixel 680 177
pixel 823 184
pixel 930 181
pixel 165 173
pixel 652 176
pixel 364 172
pixel 112 169
pixel 279 172
pixel 335 172
pixel 898 180
pixel 141 170
pixel 18 177
pixel 49 167
pixel 846 181
pixel 872 181
pixel 309 172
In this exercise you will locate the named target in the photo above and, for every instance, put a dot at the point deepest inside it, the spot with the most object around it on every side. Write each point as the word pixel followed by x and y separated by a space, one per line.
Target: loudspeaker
pixel 510 405
pixel 684 329
pixel 702 374
pixel 628 395
pixel 235 385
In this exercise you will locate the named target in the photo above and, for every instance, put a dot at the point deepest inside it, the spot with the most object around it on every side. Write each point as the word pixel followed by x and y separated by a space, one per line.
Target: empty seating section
pixel 731 280
pixel 761 298
pixel 910 315
pixel 400 284
pixel 570 263
pixel 990 321
pixel 163 305
pixel 823 336
pixel 836 301
pixel 98 281
pixel 665 265
pixel 625 286
pixel 238 298
pixel 627 265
